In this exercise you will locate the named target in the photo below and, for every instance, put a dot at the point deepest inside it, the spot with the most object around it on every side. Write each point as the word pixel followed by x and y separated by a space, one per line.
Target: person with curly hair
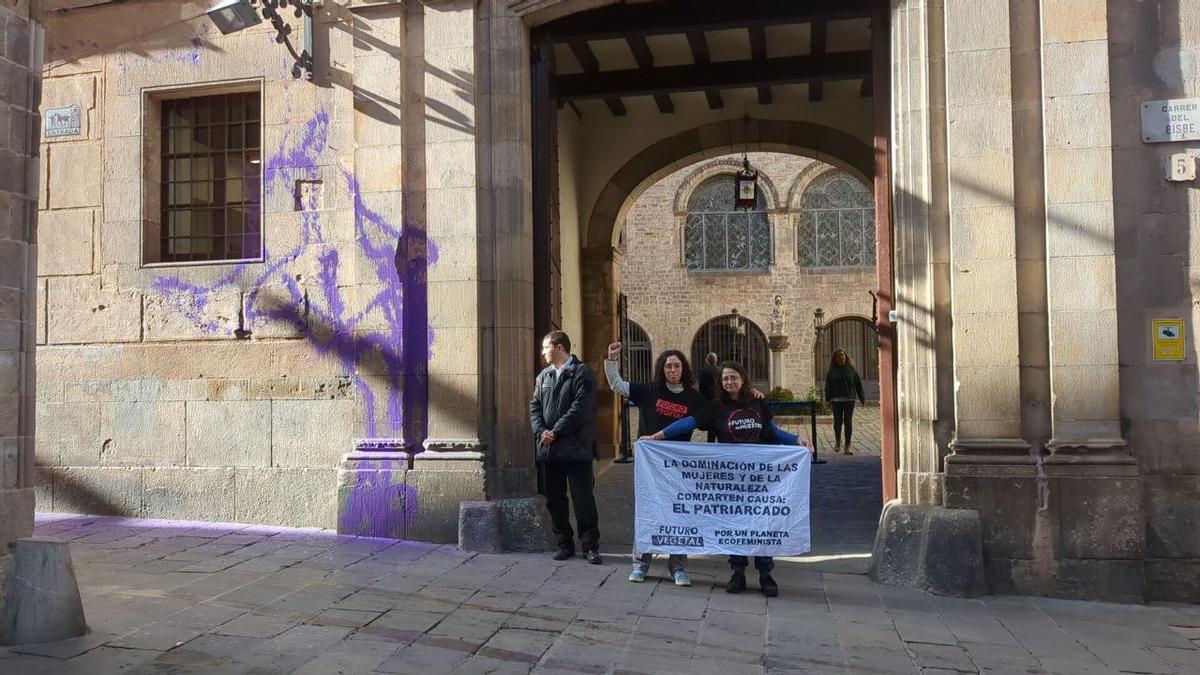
pixel 671 396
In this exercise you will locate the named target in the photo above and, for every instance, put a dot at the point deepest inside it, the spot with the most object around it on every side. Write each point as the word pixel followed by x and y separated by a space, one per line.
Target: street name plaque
pixel 1171 120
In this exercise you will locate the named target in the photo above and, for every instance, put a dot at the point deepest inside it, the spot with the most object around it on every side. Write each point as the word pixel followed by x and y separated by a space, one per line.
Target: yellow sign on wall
pixel 1168 340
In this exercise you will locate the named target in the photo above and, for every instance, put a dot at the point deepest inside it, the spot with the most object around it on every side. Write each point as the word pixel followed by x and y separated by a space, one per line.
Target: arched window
pixel 640 354
pixel 836 226
pixel 734 338
pixel 854 335
pixel 719 237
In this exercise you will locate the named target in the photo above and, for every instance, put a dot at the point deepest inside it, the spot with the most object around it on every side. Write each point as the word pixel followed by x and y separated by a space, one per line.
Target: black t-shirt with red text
pixel 735 422
pixel 659 406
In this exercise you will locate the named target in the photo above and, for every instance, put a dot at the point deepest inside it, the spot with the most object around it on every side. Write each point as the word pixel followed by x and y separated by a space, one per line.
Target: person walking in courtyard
pixel 672 396
pixel 710 383
pixel 738 417
pixel 842 387
pixel 562 413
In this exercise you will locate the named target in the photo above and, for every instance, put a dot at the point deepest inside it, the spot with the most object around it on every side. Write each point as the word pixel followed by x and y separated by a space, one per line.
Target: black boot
pixel 736 583
pixel 564 553
pixel 767 584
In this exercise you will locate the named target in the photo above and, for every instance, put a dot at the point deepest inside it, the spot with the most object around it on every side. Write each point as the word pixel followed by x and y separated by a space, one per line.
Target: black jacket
pixel 709 381
pixel 566 406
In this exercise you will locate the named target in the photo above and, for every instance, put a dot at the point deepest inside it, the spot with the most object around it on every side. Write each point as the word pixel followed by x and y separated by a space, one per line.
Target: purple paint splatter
pixel 326 320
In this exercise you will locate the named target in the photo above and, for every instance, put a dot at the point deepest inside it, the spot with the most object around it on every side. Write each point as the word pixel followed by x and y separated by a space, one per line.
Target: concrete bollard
pixel 43 600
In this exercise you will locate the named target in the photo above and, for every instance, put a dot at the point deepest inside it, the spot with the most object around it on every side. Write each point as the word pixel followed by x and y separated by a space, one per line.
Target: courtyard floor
pixel 184 597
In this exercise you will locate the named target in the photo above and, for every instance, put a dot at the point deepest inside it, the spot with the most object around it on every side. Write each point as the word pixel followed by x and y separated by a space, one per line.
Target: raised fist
pixel 614 350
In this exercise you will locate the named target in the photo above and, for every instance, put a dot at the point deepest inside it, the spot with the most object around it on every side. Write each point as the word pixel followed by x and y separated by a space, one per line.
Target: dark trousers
pixel 843 415
pixel 578 476
pixel 763 563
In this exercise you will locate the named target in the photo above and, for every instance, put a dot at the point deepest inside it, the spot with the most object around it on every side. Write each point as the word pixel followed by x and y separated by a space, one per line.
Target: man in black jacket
pixel 563 416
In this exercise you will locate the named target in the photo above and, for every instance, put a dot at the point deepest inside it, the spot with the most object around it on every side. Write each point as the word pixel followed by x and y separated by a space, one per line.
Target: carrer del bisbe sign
pixel 1171 120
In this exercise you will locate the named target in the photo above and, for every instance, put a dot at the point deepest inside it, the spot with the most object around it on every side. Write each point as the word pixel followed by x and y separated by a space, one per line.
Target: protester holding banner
pixel 842 387
pixel 738 417
pixel 672 396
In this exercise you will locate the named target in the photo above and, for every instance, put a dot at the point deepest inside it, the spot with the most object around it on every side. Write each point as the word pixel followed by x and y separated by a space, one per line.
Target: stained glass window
pixel 836 223
pixel 716 236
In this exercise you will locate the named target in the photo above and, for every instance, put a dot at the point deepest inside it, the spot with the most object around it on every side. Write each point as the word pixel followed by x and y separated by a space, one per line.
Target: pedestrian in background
pixel 842 387
pixel 709 383
pixel 563 416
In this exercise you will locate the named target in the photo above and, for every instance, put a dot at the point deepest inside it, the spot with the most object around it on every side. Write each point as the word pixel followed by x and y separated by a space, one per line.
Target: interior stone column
pixel 20 91
pixel 601 274
pixel 979 116
pixel 1080 247
pixel 921 245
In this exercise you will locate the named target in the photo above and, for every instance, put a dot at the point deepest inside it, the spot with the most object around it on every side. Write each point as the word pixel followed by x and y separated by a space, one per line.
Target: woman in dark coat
pixel 842 387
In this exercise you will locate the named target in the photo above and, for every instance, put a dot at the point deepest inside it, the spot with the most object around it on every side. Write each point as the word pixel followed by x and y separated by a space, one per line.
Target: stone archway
pixel 600 260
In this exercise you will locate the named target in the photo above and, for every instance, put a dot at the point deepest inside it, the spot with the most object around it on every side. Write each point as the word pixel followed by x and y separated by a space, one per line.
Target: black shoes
pixel 593 557
pixel 767 584
pixel 564 553
pixel 736 583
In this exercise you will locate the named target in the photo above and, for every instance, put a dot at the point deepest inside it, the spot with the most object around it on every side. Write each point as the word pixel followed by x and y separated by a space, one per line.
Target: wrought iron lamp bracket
pixel 303 66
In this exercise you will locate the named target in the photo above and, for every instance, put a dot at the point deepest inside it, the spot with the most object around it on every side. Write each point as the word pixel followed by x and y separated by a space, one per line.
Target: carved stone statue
pixel 776 324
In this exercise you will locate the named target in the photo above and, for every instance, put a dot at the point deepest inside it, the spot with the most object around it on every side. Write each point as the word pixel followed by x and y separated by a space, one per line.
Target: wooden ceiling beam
pixel 816 46
pixel 685 16
pixel 758 52
pixel 715 76
pixel 591 65
pixel 645 60
pixel 698 43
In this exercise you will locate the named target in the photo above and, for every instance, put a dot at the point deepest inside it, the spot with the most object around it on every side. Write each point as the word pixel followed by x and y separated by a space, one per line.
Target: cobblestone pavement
pixel 178 597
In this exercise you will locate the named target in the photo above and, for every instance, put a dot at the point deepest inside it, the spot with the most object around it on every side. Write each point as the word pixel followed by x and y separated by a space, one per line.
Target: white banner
pixel 720 498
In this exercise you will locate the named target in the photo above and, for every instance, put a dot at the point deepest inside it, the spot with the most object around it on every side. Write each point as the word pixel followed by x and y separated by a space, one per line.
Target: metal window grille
pixel 719 237
pixel 854 335
pixel 745 344
pixel 640 354
pixel 211 178
pixel 836 223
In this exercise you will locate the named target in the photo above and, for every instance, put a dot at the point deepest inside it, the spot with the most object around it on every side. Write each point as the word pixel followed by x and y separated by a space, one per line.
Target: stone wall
pixel 1152 54
pixel 671 303
pixel 20 65
pixel 226 391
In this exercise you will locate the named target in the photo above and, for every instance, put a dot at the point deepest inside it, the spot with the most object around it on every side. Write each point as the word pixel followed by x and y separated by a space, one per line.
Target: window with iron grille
pixel 211 174
pixel 640 355
pixel 734 338
pixel 719 237
pixel 836 223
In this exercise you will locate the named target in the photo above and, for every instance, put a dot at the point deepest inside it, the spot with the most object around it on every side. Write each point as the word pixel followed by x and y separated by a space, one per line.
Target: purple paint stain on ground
pixel 377 506
pixel 326 320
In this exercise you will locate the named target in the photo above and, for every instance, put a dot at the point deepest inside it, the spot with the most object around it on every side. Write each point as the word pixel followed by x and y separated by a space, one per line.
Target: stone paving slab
pixel 312 602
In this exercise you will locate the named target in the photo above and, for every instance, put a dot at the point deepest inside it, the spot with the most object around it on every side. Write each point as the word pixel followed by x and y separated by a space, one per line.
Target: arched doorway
pixel 734 338
pixel 600 273
pixel 857 337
